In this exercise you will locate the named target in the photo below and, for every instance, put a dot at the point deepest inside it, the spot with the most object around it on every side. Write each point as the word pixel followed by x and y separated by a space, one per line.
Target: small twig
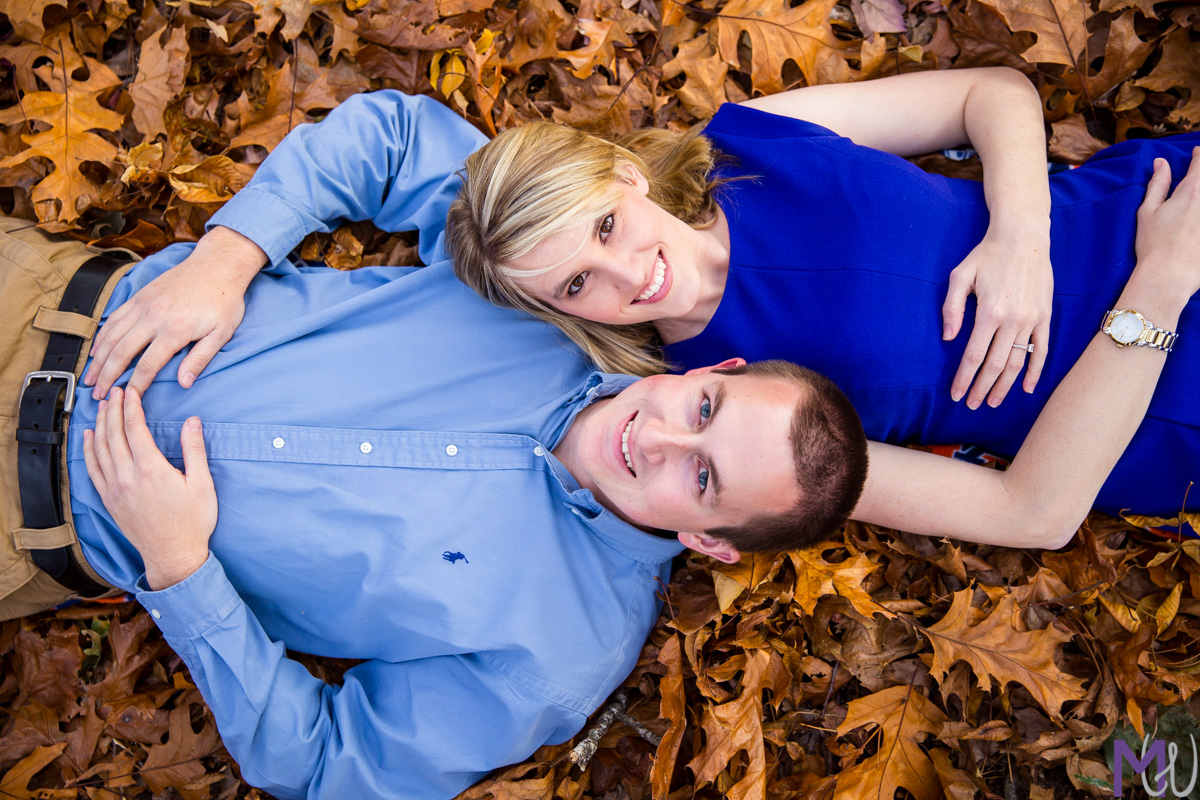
pixel 640 729
pixel 582 753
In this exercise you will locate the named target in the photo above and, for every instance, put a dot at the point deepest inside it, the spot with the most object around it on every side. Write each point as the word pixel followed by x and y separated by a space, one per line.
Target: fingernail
pixel 993 401
pixel 103 404
pixel 188 379
pixel 956 396
pixel 946 332
pixel 973 404
pixel 89 379
pixel 96 393
pixel 194 424
pixel 87 433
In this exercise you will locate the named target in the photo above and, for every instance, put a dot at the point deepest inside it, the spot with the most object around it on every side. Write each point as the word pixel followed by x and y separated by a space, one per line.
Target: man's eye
pixel 606 226
pixel 576 285
pixel 703 479
pixel 705 410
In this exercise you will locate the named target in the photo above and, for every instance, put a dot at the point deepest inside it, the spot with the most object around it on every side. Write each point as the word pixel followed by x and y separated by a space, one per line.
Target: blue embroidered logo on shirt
pixel 452 557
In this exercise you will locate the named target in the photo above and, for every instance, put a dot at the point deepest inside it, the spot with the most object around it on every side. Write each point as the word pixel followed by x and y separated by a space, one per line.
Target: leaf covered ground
pixel 878 663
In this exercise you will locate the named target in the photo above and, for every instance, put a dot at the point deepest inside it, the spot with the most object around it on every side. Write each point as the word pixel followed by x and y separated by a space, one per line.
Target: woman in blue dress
pixel 813 247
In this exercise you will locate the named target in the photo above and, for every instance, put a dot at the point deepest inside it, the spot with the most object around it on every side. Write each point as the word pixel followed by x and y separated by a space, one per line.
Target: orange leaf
pixel 72 116
pixel 779 32
pixel 16 781
pixel 1060 26
pixel 996 648
pixel 904 717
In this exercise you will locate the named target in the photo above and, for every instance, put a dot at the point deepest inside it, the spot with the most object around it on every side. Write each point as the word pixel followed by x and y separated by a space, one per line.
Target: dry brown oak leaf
pixel 816 577
pixel 779 32
pixel 162 69
pixel 734 726
pixel 997 649
pixel 905 717
pixel 1179 68
pixel 1060 26
pixel 72 116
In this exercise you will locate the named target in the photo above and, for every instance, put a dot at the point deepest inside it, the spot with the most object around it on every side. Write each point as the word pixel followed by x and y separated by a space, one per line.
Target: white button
pixel 365 447
pixel 538 451
pixel 576 511
pixel 451 450
pixel 154 613
pixel 277 442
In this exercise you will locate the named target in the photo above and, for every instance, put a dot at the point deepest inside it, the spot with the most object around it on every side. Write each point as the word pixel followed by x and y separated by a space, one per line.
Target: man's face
pixel 688 452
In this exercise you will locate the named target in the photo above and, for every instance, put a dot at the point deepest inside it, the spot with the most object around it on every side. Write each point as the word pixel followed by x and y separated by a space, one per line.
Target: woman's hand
pixel 1011 277
pixel 200 300
pixel 1168 231
pixel 166 514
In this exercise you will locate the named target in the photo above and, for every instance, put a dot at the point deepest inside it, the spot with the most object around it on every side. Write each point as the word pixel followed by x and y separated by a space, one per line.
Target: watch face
pixel 1126 327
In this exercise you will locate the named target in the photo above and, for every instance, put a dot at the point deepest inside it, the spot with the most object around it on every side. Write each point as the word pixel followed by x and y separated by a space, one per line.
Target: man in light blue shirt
pixel 406 475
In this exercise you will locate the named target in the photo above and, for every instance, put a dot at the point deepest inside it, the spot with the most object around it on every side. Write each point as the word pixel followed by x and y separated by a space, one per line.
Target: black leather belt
pixel 40 427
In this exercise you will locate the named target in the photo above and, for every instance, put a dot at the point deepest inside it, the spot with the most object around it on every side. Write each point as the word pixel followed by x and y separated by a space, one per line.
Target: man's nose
pixel 660 441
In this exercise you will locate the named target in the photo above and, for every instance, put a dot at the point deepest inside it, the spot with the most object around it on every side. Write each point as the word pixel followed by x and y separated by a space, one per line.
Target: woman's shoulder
pixel 752 123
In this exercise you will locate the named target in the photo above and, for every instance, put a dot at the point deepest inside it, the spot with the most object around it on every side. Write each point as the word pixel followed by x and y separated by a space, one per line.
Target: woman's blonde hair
pixel 533 182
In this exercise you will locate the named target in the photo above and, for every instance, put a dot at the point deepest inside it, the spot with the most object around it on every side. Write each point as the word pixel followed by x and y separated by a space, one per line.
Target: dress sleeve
pixel 427 728
pixel 384 156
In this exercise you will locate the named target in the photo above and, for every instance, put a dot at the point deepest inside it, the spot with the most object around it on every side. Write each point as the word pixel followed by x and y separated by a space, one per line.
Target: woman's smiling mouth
pixel 654 291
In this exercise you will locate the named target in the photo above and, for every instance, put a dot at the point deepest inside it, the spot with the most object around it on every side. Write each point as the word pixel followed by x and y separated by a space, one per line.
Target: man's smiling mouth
pixel 625 446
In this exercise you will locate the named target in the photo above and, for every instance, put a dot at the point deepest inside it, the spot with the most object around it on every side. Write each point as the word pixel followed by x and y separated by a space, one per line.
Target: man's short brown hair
pixel 829 450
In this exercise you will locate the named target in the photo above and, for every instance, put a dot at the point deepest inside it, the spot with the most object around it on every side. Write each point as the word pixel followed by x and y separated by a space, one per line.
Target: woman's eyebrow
pixel 561 291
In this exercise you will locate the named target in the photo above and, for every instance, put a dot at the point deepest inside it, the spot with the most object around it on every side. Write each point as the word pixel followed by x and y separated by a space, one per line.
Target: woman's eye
pixel 606 226
pixel 576 286
pixel 705 410
pixel 703 479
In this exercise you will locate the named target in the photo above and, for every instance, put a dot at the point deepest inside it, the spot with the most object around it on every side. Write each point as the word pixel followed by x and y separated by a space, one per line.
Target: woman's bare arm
pixel 1079 436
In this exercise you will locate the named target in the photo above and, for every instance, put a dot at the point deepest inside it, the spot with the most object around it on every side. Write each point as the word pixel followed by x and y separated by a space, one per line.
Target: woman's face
pixel 637 263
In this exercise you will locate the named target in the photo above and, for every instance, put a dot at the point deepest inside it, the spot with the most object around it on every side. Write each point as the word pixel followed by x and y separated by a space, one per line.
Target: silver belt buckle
pixel 50 374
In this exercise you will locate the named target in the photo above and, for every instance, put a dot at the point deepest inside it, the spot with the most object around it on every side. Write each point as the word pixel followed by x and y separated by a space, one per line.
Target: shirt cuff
pixel 195 604
pixel 264 219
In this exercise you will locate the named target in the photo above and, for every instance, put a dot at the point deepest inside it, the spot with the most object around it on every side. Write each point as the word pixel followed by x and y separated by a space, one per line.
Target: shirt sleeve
pixel 383 156
pixel 427 728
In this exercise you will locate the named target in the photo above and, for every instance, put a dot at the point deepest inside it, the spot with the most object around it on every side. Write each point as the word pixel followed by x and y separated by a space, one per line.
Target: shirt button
pixel 277 442
pixel 365 448
pixel 154 613
pixel 451 450
pixel 538 451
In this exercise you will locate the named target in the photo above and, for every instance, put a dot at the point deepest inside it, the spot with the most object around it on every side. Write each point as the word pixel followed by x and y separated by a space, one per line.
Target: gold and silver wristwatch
pixel 1131 328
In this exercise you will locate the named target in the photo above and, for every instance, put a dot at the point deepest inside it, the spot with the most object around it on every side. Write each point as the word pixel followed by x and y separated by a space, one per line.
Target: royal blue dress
pixel 840 257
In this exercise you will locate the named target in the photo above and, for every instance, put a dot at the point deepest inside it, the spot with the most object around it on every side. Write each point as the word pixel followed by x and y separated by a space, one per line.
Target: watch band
pixel 1157 338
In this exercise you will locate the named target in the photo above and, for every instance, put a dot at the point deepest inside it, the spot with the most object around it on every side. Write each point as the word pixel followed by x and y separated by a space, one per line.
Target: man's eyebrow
pixel 714 480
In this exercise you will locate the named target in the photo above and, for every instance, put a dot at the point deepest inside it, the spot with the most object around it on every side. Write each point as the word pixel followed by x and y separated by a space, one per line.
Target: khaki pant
pixel 34 270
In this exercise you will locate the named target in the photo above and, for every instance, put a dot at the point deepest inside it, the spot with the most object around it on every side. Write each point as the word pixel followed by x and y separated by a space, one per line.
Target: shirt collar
pixel 634 542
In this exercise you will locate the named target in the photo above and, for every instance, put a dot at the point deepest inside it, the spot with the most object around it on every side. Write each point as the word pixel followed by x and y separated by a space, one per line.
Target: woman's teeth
pixel 625 447
pixel 660 273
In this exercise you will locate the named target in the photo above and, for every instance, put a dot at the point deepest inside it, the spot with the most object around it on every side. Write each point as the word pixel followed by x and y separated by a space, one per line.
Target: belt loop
pixel 69 322
pixel 44 538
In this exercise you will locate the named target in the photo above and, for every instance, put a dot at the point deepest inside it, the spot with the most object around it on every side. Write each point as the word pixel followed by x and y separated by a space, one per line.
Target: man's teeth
pixel 660 273
pixel 625 446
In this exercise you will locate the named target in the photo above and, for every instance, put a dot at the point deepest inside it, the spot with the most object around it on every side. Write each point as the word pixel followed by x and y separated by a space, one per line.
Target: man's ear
pixel 729 363
pixel 711 546
pixel 634 177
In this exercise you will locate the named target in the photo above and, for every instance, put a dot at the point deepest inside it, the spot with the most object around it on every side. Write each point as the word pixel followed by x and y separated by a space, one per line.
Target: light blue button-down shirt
pixel 381 446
